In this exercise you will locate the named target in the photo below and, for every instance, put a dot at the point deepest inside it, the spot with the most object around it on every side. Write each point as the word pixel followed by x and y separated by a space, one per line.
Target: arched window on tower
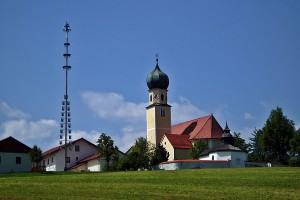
pixel 150 97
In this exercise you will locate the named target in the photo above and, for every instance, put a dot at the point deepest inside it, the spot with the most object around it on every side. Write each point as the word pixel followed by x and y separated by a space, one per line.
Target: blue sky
pixel 235 59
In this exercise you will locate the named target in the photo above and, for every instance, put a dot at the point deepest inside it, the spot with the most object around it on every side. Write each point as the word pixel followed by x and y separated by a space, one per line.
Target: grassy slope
pixel 249 183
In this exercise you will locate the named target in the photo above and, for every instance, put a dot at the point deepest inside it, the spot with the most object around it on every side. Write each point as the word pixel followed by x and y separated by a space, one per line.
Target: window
pixel 68 159
pixel 43 162
pixel 48 161
pixel 162 97
pixel 52 160
pixel 212 157
pixel 77 148
pixel 76 159
pixel 163 112
pixel 18 160
pixel 151 98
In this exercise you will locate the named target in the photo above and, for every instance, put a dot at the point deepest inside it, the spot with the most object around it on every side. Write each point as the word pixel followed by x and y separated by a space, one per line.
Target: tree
pixel 256 152
pixel 277 133
pixel 142 149
pixel 197 148
pixel 139 156
pixel 295 150
pixel 272 142
pixel 159 155
pixel 240 142
pixel 107 150
pixel 35 155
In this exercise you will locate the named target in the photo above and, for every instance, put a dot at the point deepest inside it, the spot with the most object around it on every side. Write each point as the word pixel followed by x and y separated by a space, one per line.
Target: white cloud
pixel 184 111
pixel 108 106
pixel 263 103
pixel 30 132
pixel 297 126
pixel 128 136
pixel 221 112
pixel 113 106
pixel 248 116
pixel 246 133
pixel 12 112
pixel 90 136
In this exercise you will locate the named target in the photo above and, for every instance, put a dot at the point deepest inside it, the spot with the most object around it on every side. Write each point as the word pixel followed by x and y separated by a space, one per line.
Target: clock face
pixel 156 96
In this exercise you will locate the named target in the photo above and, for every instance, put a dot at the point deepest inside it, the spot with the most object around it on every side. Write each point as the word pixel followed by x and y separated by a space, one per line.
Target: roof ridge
pixel 191 120
pixel 56 148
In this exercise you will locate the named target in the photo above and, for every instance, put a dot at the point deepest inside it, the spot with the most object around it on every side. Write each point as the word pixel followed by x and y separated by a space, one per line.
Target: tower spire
pixel 156 55
pixel 65 131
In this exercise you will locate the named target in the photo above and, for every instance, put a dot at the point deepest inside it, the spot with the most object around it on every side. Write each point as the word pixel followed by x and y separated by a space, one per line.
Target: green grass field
pixel 246 183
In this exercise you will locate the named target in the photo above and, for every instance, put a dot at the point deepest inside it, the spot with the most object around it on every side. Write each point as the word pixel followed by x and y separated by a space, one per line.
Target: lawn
pixel 246 183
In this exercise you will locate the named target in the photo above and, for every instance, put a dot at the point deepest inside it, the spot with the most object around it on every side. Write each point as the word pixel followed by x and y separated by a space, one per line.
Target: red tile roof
pixel 13 145
pixel 179 141
pixel 201 128
pixel 85 160
pixel 92 157
pixel 55 149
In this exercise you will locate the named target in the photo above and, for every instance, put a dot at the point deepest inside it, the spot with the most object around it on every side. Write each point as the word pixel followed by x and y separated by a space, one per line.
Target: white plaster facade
pixel 236 158
pixel 54 159
pixel 14 156
pixel 9 163
pixel 94 165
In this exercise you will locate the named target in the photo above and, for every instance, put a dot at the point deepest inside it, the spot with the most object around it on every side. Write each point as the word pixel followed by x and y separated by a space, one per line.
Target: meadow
pixel 231 183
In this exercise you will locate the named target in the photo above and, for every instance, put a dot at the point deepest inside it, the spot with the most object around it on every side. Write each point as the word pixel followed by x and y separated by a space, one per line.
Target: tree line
pixel 278 142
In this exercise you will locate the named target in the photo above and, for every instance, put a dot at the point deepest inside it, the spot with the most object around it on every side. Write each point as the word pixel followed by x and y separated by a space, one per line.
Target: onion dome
pixel 157 79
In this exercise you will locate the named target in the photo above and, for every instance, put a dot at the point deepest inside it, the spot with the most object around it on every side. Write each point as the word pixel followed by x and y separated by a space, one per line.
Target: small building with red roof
pixel 176 145
pixel 54 159
pixel 82 155
pixel 92 163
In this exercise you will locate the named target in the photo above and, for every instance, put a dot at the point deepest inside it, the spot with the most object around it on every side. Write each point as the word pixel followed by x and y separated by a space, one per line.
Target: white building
pixel 14 156
pixel 226 152
pixel 93 163
pixel 54 159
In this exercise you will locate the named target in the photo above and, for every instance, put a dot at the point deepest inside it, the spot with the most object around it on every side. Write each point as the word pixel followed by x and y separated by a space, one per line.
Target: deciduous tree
pixel 159 155
pixel 197 148
pixel 277 133
pixel 295 150
pixel 107 150
pixel 35 155
pixel 272 142
pixel 240 142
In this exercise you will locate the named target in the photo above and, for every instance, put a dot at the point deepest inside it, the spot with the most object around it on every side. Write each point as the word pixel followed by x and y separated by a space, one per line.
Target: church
pixel 179 138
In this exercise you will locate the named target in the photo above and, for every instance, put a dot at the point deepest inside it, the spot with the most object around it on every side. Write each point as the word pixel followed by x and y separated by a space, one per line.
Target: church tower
pixel 158 111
